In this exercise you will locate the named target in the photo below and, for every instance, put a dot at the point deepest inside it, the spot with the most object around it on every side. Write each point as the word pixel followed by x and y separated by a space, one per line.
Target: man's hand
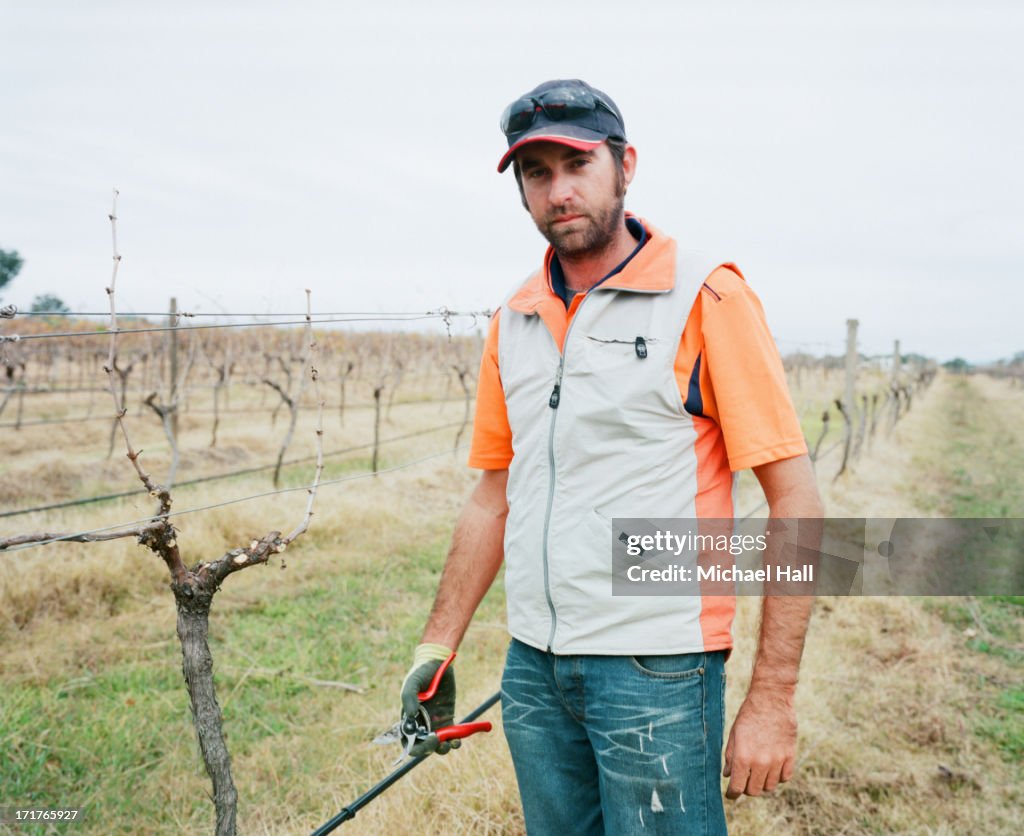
pixel 441 707
pixel 761 751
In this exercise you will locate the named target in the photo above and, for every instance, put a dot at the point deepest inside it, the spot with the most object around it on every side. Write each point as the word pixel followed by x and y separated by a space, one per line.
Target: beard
pixel 589 234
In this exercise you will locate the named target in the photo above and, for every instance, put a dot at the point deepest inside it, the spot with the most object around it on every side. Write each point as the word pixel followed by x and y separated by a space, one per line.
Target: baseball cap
pixel 566 111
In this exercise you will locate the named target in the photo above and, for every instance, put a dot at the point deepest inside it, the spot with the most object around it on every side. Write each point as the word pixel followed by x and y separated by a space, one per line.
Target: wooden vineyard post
pixel 376 424
pixel 847 406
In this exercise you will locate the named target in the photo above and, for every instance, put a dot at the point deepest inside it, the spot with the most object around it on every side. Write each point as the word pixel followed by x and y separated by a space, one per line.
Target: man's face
pixel 574 197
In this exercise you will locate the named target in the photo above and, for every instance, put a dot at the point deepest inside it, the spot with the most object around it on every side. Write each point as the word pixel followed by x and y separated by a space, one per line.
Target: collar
pixel 649 269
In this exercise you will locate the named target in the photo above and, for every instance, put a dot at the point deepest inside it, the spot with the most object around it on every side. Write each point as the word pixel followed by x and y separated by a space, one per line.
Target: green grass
pixel 982 464
pixel 97 738
pixel 1006 728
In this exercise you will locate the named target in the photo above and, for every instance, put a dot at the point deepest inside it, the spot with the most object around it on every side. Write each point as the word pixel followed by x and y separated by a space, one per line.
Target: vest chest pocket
pixel 638 344
pixel 621 354
pixel 626 376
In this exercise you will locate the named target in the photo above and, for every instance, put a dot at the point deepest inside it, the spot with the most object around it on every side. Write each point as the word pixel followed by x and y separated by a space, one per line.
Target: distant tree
pixel 957 365
pixel 10 264
pixel 1018 359
pixel 48 303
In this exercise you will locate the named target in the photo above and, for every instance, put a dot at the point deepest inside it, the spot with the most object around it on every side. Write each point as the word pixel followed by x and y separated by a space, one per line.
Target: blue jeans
pixel 616 744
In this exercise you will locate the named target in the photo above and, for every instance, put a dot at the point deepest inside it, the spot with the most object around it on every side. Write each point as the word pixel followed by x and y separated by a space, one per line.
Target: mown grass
pixel 980 468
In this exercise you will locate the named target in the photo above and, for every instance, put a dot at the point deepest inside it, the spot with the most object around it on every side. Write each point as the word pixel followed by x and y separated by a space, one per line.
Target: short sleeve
pixel 754 409
pixel 491 448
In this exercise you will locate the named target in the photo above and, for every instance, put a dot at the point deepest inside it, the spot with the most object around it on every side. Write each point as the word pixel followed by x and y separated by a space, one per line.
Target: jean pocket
pixel 673 666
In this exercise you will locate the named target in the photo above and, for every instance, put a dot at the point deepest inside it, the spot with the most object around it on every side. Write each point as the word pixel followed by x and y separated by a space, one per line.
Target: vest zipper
pixel 556 393
pixel 553 401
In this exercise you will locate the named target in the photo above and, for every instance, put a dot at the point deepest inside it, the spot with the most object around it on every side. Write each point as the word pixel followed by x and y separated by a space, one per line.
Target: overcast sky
pixel 857 159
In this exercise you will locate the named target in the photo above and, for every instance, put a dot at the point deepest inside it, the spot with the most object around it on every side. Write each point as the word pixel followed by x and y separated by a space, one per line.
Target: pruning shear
pixel 416 728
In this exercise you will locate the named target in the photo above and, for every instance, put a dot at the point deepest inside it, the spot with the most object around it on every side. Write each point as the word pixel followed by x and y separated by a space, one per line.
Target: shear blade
pixel 396 735
pixel 392 735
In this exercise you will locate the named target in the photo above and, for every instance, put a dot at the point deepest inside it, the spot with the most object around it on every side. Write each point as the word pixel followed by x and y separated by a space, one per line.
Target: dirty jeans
pixel 616 744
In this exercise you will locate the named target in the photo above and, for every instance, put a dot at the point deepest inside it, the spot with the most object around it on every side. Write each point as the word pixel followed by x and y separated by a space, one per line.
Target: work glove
pixel 441 708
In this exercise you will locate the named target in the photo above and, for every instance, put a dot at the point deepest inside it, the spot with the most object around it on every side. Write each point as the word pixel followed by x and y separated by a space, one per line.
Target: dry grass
pixel 889 704
pixel 884 706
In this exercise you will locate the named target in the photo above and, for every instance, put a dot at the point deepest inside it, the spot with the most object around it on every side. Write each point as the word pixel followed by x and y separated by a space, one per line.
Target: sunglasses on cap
pixel 559 105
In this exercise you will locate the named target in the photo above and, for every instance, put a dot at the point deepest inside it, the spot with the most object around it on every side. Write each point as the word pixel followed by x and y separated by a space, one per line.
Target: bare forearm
pixel 473 561
pixel 784 621
pixel 784 618
pixel 761 750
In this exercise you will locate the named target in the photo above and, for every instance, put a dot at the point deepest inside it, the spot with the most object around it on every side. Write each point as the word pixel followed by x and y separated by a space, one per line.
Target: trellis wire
pixel 446 452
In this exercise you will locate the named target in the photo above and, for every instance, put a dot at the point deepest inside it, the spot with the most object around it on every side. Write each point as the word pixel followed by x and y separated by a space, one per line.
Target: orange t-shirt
pixel 729 373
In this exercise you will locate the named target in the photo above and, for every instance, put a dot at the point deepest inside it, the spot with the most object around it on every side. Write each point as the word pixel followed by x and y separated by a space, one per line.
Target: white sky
pixel 856 159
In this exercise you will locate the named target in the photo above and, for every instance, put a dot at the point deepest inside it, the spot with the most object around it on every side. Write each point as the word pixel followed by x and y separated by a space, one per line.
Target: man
pixel 623 379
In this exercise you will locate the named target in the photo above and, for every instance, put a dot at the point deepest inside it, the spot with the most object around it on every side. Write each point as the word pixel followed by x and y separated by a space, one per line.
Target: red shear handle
pixel 423 696
pixel 461 730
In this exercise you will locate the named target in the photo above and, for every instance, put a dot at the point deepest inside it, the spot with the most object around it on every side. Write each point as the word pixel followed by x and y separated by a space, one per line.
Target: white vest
pixel 619 444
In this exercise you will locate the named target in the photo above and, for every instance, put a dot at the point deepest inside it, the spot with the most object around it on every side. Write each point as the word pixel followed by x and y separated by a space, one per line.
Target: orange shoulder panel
pixel 491 448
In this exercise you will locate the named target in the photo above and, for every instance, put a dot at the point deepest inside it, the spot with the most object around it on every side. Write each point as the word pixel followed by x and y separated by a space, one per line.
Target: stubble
pixel 589 234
